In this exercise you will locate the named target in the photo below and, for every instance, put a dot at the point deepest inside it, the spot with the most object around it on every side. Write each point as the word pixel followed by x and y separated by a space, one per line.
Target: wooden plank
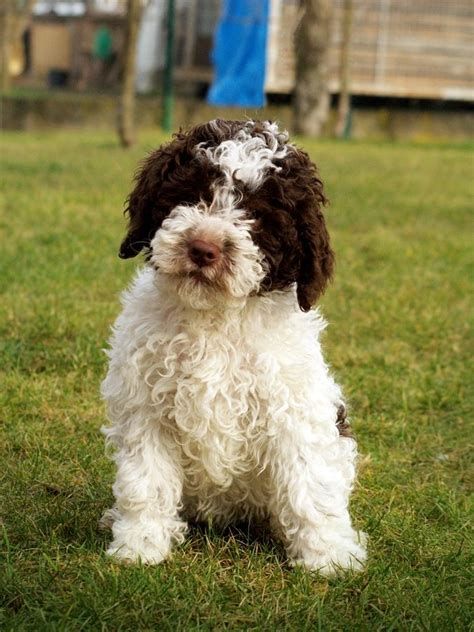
pixel 412 58
pixel 398 21
pixel 414 89
pixel 416 7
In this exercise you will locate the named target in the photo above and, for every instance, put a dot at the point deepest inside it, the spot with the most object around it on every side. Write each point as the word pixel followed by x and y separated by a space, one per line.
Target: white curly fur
pixel 221 404
pixel 246 157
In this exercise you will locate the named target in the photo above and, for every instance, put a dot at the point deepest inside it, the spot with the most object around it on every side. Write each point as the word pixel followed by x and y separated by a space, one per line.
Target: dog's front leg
pixel 311 486
pixel 148 491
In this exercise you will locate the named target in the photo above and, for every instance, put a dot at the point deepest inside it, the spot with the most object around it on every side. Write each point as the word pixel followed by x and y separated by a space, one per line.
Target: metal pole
pixel 167 122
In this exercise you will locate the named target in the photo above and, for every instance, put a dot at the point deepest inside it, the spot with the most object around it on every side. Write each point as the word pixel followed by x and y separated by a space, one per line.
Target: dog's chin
pixel 200 290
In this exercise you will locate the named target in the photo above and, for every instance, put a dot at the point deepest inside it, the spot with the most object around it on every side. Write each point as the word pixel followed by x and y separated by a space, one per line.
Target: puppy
pixel 220 402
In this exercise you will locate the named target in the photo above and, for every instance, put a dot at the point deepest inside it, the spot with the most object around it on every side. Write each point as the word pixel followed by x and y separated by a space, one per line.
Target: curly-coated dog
pixel 220 402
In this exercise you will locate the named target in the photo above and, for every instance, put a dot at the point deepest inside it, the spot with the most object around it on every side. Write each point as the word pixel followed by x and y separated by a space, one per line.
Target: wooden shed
pixel 399 48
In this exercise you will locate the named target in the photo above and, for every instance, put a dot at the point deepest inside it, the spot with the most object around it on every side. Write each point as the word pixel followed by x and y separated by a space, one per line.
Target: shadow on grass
pixel 255 536
pixel 71 517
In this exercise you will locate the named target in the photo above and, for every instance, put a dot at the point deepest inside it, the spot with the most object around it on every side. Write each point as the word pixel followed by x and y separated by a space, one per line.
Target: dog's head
pixel 229 209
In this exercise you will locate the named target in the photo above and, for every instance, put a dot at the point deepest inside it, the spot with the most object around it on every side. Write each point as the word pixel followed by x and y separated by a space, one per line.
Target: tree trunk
pixel 126 117
pixel 312 98
pixel 344 102
pixel 13 20
pixel 4 46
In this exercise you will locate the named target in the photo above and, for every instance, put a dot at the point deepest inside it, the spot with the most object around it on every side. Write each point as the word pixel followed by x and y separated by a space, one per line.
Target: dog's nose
pixel 203 253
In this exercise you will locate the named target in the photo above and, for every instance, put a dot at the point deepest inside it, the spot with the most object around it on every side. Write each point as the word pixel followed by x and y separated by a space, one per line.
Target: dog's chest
pixel 223 387
pixel 215 409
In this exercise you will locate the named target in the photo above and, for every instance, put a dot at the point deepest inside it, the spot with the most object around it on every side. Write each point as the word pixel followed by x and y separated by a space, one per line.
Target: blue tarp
pixel 239 54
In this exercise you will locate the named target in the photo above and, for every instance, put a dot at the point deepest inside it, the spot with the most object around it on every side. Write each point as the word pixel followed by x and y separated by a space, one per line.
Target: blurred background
pixel 360 68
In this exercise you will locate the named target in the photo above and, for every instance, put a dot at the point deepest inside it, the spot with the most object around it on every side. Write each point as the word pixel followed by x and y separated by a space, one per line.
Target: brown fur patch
pixel 290 228
pixel 342 424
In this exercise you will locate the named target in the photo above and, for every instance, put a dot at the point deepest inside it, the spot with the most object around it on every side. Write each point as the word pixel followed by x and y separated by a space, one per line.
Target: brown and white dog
pixel 220 402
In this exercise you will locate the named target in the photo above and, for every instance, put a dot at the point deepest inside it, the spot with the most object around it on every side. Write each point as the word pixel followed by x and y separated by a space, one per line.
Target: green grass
pixel 399 341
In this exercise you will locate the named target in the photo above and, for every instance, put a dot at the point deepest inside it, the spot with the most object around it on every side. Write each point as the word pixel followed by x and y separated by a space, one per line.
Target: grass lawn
pixel 399 341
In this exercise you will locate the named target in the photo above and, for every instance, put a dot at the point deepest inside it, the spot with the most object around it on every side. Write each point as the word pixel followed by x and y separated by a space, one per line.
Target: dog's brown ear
pixel 317 258
pixel 317 263
pixel 143 204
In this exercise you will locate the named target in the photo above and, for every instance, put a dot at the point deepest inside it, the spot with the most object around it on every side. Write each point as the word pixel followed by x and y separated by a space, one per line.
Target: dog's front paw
pixel 148 542
pixel 145 552
pixel 336 557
